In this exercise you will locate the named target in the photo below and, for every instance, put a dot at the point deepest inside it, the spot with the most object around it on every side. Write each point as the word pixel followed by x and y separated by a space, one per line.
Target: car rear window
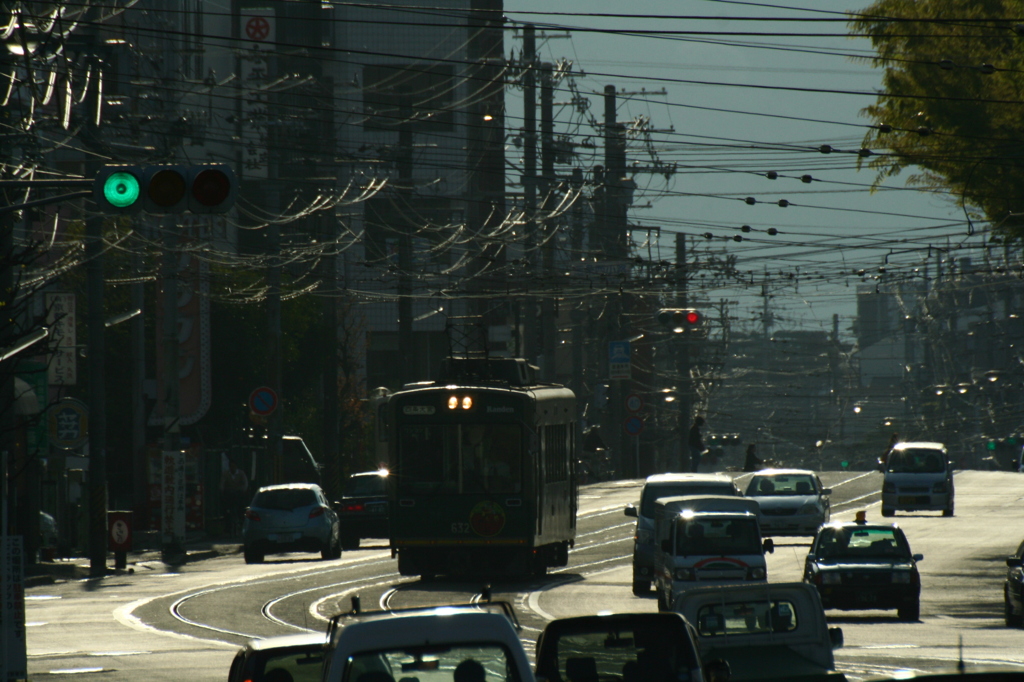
pixel 745 618
pixel 365 486
pixel 917 461
pixel 284 499
pixel 652 491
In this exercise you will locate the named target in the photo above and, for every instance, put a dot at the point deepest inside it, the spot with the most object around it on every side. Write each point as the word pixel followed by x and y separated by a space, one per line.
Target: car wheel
pixel 910 612
pixel 887 512
pixel 1009 617
pixel 327 550
pixel 662 604
pixel 350 541
pixel 641 588
pixel 252 556
pixel 947 512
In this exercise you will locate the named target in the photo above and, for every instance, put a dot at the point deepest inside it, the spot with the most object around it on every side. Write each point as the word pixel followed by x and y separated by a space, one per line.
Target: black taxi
pixel 864 566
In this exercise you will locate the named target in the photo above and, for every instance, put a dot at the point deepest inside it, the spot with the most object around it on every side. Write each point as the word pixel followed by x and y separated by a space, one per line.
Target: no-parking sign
pixel 263 401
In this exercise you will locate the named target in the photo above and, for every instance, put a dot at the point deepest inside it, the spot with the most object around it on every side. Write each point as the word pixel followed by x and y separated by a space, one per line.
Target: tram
pixel 483 478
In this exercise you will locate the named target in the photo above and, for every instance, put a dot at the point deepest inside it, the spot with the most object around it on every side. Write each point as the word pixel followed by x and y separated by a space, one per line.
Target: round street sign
pixel 634 402
pixel 263 401
pixel 633 425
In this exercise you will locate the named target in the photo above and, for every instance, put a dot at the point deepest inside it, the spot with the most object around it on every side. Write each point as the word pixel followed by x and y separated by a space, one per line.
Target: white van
pixel 666 485
pixel 918 477
pixel 702 539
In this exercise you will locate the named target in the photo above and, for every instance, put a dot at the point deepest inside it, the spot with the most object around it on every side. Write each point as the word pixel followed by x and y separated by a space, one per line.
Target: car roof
pixel 378 472
pixel 290 486
pixel 678 478
pixel 310 639
pixel 919 445
pixel 867 526
pixel 786 472
pixel 382 629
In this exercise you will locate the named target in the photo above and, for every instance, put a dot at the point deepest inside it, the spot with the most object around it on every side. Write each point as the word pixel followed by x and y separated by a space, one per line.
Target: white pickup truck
pixel 767 632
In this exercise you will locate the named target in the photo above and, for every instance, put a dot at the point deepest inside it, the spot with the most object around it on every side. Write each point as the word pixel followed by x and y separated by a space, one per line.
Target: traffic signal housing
pixel 162 189
pixel 680 320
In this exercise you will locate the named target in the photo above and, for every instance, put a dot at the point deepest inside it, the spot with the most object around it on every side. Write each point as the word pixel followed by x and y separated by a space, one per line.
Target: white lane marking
pixel 75 671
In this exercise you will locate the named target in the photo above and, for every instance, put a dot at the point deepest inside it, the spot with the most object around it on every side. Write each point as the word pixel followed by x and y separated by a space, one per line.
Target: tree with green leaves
pixel 953 101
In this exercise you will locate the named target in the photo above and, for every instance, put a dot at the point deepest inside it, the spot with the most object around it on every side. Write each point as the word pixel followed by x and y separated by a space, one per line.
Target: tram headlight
pixel 467 402
pixel 453 402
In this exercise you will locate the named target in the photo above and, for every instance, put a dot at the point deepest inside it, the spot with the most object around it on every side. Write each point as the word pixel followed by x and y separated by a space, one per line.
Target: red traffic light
pixel 680 319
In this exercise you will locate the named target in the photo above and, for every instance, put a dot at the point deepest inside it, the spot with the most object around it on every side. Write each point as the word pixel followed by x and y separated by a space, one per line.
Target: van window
pixel 746 617
pixel 917 461
pixel 647 651
pixel 434 663
pixel 653 491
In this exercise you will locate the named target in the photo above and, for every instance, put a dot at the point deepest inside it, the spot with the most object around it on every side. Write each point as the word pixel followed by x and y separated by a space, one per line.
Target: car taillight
pixel 316 511
pixel 251 515
pixel 354 507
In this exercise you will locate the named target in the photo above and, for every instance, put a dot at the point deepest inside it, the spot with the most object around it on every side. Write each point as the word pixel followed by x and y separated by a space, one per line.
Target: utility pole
pixel 612 241
pixel 549 333
pixel 172 522
pixel 682 341
pixel 529 180
pixel 406 344
pixel 96 351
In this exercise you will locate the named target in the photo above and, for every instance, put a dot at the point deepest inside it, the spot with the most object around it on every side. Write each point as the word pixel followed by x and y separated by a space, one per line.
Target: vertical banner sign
pixel 619 365
pixel 172 486
pixel 194 383
pixel 259 33
pixel 60 318
pixel 13 649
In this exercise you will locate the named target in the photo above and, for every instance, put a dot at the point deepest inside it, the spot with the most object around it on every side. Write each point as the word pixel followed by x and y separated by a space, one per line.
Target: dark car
pixel 1013 588
pixel 293 517
pixel 862 566
pixel 288 658
pixel 632 647
pixel 363 507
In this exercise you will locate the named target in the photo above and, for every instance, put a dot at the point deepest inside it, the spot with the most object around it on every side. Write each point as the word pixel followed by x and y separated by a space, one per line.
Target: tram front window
pixel 461 458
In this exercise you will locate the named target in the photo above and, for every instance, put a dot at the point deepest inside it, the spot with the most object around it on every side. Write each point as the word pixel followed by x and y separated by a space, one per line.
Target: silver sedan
pixel 793 501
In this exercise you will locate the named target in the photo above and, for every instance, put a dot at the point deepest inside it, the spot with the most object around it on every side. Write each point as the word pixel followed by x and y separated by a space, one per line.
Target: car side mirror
pixel 918 557
pixel 826 491
pixel 810 557
pixel 769 545
pixel 1012 561
pixel 835 635
pixel 630 510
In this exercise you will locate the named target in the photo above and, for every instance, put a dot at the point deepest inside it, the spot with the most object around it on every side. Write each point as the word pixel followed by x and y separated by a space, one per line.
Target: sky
pixel 736 107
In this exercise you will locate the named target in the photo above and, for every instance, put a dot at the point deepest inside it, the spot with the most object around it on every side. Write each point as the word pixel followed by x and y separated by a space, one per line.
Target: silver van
pixel 666 485
pixel 918 477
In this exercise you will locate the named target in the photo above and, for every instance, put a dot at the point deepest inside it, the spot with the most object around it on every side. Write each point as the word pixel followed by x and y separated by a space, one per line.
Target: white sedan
pixel 793 501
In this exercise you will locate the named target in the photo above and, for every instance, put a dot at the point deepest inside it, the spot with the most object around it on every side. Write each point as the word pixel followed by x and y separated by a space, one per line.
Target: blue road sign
pixel 618 351
pixel 263 401
pixel 633 425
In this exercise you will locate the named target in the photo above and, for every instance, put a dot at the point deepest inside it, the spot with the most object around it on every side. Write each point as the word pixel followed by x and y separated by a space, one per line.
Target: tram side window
pixel 556 452
pixel 421 452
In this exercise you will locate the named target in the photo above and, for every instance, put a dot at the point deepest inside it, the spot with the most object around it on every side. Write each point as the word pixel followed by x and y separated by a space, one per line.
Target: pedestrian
pixel 752 462
pixel 235 488
pixel 884 459
pixel 696 443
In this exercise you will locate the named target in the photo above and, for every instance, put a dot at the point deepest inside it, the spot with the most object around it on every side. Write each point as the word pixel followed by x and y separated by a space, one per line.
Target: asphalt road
pixel 172 624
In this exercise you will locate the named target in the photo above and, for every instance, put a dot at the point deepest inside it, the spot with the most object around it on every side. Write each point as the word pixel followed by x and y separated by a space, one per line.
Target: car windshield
pixel 717 536
pixel 453 663
pixel 861 543
pixel 746 617
pixel 781 484
pixel 284 499
pixel 365 486
pixel 647 651
pixel 652 491
pixel 917 461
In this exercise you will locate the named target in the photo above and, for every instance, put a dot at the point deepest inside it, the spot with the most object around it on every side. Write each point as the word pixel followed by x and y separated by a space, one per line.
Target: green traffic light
pixel 121 189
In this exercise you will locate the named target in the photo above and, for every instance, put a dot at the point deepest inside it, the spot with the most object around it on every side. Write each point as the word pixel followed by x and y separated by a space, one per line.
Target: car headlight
pixel 902 577
pixel 831 579
pixel 684 574
pixel 888 487
pixel 755 573
pixel 939 487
